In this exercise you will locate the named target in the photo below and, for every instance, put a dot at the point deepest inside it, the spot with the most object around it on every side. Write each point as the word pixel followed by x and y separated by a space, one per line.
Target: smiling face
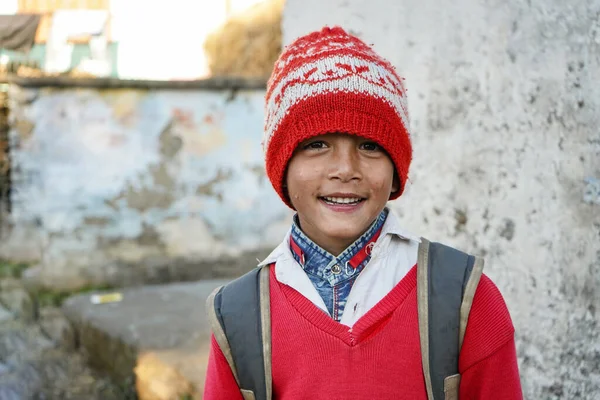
pixel 339 184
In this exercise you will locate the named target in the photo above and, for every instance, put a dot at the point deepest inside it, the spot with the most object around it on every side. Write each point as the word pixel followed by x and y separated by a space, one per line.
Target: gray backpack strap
pixel 446 282
pixel 240 317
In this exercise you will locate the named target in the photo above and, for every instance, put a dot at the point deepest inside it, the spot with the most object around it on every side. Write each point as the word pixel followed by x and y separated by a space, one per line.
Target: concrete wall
pixel 505 107
pixel 131 185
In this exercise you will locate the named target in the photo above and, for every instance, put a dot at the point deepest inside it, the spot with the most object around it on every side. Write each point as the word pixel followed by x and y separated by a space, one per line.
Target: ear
pixel 395 183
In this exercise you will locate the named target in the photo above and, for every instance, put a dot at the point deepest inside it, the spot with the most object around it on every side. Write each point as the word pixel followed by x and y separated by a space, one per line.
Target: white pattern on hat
pixel 326 75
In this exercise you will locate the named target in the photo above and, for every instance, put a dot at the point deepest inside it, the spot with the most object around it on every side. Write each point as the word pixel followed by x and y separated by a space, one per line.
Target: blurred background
pixel 132 178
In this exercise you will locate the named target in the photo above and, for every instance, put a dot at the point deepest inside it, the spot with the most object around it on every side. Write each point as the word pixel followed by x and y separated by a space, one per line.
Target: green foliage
pixel 45 297
pixel 55 298
pixel 10 269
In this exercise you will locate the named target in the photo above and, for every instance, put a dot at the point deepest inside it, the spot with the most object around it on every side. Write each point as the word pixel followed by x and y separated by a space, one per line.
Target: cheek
pixel 301 176
pixel 302 183
pixel 382 181
pixel 297 180
pixel 382 186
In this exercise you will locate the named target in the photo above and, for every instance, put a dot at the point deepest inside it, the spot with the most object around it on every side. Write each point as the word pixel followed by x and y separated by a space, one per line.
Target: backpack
pixel 240 318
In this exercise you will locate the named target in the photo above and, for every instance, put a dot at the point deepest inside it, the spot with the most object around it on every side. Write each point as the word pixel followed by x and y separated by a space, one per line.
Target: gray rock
pixel 19 341
pixel 5 315
pixel 24 382
pixel 160 332
pixel 36 363
pixel 16 298
pixel 57 327
pixel 13 390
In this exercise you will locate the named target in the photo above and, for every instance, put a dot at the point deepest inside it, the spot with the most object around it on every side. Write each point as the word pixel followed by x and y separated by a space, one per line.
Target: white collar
pixel 391 226
pixel 282 249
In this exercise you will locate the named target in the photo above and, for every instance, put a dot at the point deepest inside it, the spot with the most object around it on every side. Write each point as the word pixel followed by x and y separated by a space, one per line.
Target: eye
pixel 317 144
pixel 370 146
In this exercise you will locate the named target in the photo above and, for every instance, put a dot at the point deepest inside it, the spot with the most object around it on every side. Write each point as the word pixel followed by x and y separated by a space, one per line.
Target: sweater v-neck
pixel 369 324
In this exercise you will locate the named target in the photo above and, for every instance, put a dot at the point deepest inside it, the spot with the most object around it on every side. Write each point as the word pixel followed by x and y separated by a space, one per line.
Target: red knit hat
pixel 330 81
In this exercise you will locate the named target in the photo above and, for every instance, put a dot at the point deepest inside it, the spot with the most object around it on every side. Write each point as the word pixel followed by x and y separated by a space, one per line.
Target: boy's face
pixel 339 184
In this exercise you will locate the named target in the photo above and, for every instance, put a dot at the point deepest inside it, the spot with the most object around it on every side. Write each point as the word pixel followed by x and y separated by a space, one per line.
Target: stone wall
pixel 505 107
pixel 136 185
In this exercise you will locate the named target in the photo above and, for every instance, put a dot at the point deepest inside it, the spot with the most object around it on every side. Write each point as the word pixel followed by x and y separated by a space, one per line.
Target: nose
pixel 345 163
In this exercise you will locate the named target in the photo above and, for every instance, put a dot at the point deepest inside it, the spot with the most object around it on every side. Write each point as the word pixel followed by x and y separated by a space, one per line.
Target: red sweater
pixel 315 357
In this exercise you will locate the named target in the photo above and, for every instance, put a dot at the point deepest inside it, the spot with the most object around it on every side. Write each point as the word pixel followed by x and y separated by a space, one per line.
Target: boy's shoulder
pixel 490 326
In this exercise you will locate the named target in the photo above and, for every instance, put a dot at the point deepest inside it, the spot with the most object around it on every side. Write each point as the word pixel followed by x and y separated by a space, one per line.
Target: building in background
pixel 126 39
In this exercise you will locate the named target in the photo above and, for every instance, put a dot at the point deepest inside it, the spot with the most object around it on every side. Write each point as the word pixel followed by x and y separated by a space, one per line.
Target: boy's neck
pixel 334 246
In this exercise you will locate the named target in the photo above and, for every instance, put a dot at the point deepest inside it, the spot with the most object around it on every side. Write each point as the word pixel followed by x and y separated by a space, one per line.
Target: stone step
pixel 157 336
pixel 32 366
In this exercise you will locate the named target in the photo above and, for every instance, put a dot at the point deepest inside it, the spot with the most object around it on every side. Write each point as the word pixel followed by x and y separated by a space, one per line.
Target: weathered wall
pixel 130 185
pixel 505 107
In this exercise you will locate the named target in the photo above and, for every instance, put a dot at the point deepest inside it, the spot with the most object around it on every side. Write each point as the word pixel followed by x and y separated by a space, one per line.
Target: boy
pixel 343 283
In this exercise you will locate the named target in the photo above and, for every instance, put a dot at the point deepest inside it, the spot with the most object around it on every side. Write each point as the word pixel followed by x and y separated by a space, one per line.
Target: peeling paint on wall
pixel 126 169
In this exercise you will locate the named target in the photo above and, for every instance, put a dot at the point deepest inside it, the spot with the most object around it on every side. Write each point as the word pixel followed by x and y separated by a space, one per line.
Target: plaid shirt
pixel 333 276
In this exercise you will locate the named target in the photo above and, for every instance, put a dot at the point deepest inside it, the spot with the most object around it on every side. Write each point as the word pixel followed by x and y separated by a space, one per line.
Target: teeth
pixel 343 200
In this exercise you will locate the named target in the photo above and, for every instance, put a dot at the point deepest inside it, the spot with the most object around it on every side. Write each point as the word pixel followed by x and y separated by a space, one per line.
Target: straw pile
pixel 247 44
